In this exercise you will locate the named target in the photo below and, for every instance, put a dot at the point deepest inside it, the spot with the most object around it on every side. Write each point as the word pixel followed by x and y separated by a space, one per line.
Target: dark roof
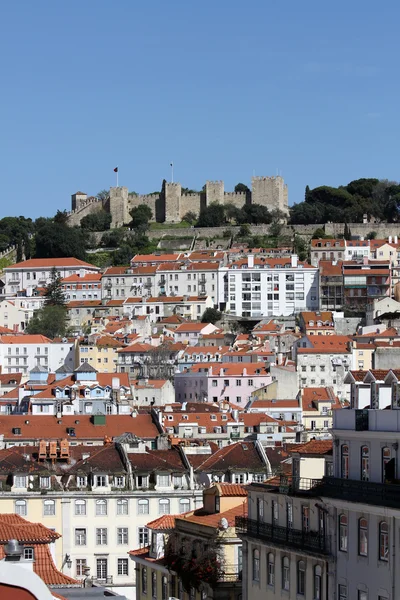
pixel 64 369
pixel 242 455
pixel 85 368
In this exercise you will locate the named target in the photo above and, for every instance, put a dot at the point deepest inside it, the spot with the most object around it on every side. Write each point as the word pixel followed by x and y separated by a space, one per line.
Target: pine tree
pixel 307 192
pixel 54 294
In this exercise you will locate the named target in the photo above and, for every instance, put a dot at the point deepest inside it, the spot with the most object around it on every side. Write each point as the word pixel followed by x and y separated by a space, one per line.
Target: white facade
pixel 20 354
pixel 15 313
pixel 191 279
pixel 260 289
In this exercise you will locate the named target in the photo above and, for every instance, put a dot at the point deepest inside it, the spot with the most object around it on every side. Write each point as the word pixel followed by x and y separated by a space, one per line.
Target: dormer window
pixel 142 481
pixel 164 481
pixel 29 554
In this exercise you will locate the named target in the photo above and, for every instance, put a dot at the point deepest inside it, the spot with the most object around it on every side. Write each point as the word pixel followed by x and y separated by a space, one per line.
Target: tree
pixel 97 221
pixel 103 196
pixel 211 315
pixel 244 230
pixel 232 212
pixel 306 193
pixel 319 234
pixel 190 217
pixel 141 215
pixel 212 216
pixel 371 235
pixel 241 187
pixel 55 240
pixel 300 247
pixel 347 232
pixel 53 290
pixel 51 321
pixel 113 238
pixel 61 216
pixel 275 229
pixel 254 213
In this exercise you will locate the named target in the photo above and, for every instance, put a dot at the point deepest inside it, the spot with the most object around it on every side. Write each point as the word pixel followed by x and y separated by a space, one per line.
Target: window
pixel 270 569
pixel 260 509
pixel 122 566
pixel 345 461
pixel 20 508
pixel 122 506
pixel 141 481
pixel 184 505
pixel 363 537
pixel 118 481
pixel 45 483
pixel 101 536
pixel 80 537
pixel 101 507
pixel 249 382
pixel 49 508
pixel 80 507
pixel 101 480
pixel 305 518
pixel 301 577
pixel 342 592
pixel 285 574
pixel 163 506
pixel 81 567
pixel 289 515
pixel 19 481
pixel 317 583
pixel 164 588
pixel 122 535
pixel 101 568
pixel 29 554
pixel 81 481
pixel 386 457
pixel 144 580
pixel 163 480
pixel 154 585
pixel 274 512
pixel 238 382
pixel 364 475
pixel 143 536
pixel 383 541
pixel 256 565
pixel 362 595
pixel 343 533
pixel 143 507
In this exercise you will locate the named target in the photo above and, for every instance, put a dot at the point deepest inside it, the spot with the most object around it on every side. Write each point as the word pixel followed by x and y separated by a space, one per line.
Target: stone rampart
pixel 89 206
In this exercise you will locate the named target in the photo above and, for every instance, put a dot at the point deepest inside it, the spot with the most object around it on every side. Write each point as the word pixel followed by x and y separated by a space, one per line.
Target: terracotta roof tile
pixel 315 447
pixel 48 263
pixel 231 489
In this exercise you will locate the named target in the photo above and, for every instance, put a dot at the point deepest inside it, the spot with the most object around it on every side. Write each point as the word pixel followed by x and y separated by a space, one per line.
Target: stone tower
pixel 271 192
pixel 173 192
pixel 214 192
pixel 119 206
pixel 78 200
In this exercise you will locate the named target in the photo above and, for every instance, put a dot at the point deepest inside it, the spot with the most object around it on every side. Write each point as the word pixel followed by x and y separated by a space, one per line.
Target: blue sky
pixel 221 87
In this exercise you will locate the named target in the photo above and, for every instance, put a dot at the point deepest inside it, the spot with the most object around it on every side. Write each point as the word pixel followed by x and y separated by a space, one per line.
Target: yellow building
pixel 101 354
pixel 362 355
pixel 196 555
pixel 318 405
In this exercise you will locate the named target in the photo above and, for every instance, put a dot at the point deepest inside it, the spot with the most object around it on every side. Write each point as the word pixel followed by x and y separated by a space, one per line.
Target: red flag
pixel 116 170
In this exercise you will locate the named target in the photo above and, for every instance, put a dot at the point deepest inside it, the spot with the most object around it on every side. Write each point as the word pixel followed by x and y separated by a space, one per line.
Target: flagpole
pixel 172 172
pixel 117 176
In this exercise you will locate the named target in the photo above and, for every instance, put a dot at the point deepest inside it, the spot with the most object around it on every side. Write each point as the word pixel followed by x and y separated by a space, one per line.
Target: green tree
pixel 55 240
pixel 212 216
pixel 97 221
pixel 254 213
pixel 241 187
pixel 244 230
pixel 190 217
pixel 61 216
pixel 211 315
pixel 300 247
pixel 51 321
pixel 103 196
pixel 113 238
pixel 371 235
pixel 306 193
pixel 347 232
pixel 53 290
pixel 141 215
pixel 319 234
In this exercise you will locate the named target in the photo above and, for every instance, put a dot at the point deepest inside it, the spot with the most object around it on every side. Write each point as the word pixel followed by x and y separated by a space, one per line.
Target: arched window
pixel 383 541
pixel 20 508
pixel 164 588
pixel 260 509
pixel 285 574
pixel 345 461
pixel 101 507
pixel 80 507
pixel 143 506
pixel 270 569
pixel 363 537
pixel 154 584
pixel 301 577
pixel 49 508
pixel 317 583
pixel 184 505
pixel 364 475
pixel 256 565
pixel 343 533
pixel 386 457
pixel 144 580
pixel 163 506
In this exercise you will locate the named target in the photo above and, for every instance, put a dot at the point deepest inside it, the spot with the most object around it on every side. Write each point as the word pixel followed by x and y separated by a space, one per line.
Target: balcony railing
pixel 310 541
pixel 366 492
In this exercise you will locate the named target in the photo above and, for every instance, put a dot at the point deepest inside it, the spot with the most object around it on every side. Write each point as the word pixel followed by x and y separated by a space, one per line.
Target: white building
pixel 261 287
pixel 20 354
pixel 16 312
pixel 152 392
pixel 76 287
pixel 36 272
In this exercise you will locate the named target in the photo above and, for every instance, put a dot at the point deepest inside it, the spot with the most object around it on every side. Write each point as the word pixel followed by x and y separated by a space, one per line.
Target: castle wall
pixel 119 206
pixel 149 200
pixel 78 200
pixel 238 199
pixel 214 192
pixel 88 207
pixel 270 192
pixel 190 202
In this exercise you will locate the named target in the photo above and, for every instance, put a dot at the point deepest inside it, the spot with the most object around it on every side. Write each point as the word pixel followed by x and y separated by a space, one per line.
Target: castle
pixel 170 205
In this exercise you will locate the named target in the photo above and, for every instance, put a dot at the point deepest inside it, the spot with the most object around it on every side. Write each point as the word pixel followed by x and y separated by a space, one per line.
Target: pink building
pixel 233 383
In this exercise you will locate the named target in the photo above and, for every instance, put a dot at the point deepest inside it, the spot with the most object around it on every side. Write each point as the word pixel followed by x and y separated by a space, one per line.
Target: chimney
pixel 396 239
pixel 250 261
pixel 280 358
pixel 294 260
pixel 390 239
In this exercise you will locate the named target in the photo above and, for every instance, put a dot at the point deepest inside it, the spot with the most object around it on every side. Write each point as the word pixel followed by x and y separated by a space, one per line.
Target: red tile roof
pixel 163 523
pixel 48 263
pixel 24 339
pixel 231 489
pixel 88 277
pixel 314 447
pixel 9 378
pixel 321 243
pixel 214 520
pixel 242 455
pixel 187 327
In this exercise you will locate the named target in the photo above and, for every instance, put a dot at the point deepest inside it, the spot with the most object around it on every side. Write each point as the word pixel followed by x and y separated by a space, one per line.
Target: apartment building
pixel 100 352
pixel 365 280
pixel 317 322
pixel 318 405
pixel 189 278
pixel 100 497
pixel 16 312
pixel 160 307
pixel 331 285
pixel 229 382
pixel 327 249
pixel 36 272
pixel 190 333
pixel 21 353
pixel 261 287
pixel 87 287
pixel 123 282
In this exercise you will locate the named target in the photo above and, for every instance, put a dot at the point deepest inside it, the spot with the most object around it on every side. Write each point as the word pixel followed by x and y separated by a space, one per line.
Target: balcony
pixel 365 492
pixel 235 435
pixel 309 541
